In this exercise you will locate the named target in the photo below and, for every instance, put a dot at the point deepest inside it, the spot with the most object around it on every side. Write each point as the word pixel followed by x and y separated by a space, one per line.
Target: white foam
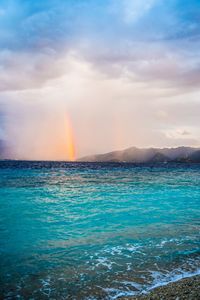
pixel 103 261
pixel 171 278
pixel 119 250
pixel 137 286
pixel 160 280
pixel 116 293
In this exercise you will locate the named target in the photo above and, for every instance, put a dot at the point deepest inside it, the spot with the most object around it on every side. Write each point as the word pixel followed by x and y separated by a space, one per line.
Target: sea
pixel 96 230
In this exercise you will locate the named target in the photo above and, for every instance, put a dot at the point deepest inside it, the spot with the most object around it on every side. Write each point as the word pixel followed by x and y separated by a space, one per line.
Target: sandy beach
pixel 185 289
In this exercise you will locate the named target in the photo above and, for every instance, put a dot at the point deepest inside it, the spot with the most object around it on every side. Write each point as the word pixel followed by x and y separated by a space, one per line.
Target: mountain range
pixel 148 155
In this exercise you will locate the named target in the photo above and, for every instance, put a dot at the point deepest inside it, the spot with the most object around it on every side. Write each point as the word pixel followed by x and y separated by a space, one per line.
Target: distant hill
pixel 151 155
pixel 195 157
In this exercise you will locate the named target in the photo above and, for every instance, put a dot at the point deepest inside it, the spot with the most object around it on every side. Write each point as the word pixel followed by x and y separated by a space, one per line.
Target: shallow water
pixel 96 231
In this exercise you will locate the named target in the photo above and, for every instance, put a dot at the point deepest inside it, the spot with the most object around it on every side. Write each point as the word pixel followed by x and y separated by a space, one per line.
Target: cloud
pixel 27 70
pixel 151 47
pixel 182 136
pixel 185 132
pixel 133 10
pixel 106 113
pixel 177 133
pixel 127 72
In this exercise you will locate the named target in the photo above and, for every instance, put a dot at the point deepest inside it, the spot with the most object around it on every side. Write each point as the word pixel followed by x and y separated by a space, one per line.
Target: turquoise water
pixel 96 231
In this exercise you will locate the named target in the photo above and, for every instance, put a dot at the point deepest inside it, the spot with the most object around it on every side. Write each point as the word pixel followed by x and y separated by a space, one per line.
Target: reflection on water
pixel 96 231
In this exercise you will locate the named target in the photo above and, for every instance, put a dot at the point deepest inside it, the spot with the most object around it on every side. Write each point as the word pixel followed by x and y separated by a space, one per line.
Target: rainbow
pixel 70 145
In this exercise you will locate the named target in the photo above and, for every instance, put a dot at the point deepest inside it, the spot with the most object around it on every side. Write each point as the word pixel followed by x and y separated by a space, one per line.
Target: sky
pixel 81 77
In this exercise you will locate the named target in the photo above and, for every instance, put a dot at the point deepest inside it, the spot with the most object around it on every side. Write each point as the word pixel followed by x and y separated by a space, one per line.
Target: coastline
pixel 183 289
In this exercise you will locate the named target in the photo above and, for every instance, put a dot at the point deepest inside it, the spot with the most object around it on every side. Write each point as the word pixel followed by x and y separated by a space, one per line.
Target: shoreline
pixel 184 289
